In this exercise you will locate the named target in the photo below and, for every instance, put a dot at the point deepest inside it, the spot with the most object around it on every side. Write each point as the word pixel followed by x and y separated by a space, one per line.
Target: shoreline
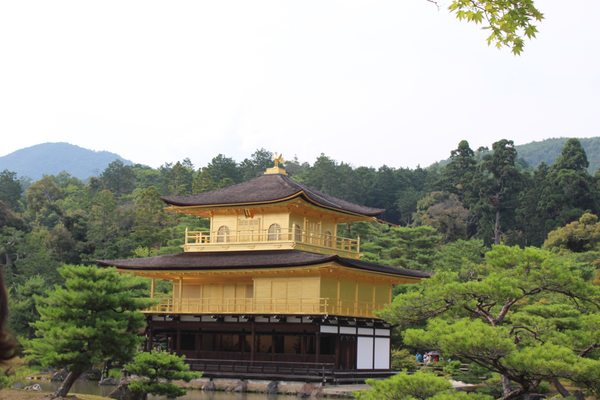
pixel 294 388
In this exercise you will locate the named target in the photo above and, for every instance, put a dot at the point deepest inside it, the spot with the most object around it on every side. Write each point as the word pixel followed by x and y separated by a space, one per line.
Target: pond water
pixel 87 387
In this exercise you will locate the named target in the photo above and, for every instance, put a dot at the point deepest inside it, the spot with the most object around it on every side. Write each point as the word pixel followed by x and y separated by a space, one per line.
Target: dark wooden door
pixel 347 352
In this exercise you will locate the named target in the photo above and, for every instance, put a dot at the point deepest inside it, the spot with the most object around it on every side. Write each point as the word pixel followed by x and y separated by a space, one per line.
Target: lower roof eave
pixel 255 260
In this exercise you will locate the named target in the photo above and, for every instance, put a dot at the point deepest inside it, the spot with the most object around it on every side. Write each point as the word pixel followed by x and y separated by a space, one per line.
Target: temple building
pixel 271 289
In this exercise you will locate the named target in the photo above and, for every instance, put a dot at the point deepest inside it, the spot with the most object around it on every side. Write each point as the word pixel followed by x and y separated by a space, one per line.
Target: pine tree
pixel 156 370
pixel 94 317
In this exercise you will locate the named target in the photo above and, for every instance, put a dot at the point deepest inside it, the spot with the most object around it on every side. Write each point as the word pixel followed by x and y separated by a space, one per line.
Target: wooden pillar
pixel 373 299
pixel 180 293
pixel 253 345
pixel 317 346
pixel 178 344
pixel 272 345
pixel 149 338
pixel 198 343
pixel 338 300
pixel 338 350
pixel 356 298
pixel 242 341
pixel 152 287
pixel 374 355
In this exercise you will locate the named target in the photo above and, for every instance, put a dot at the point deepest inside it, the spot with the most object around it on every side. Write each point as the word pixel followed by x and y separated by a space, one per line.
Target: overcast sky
pixel 368 82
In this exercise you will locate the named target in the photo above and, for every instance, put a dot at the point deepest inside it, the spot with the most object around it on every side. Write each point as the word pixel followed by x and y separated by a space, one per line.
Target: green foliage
pixel 156 370
pixel 42 201
pixel 23 306
pixel 578 236
pixel 509 22
pixel 420 385
pixel 406 247
pixel 402 359
pixel 527 314
pixel 549 150
pixel 569 189
pixel 17 372
pixel 468 373
pixel 5 381
pixel 500 182
pixel 461 396
pixel 118 178
pixel 34 256
pixel 258 162
pixel 220 172
pixel 445 212
pixel 94 317
pixel 458 175
pixel 572 157
pixel 10 189
pixel 460 255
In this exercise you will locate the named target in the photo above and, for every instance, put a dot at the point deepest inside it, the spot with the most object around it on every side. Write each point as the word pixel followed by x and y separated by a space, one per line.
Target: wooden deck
pixel 282 238
pixel 286 371
pixel 262 306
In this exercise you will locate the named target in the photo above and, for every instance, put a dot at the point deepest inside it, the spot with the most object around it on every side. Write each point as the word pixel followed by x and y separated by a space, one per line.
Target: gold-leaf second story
pixel 271 212
pixel 286 282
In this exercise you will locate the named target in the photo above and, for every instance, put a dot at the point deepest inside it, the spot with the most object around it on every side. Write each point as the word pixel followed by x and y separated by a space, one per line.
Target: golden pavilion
pixel 271 290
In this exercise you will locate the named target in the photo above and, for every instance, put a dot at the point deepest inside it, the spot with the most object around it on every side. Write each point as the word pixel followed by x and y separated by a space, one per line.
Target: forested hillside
pixel 52 158
pixel 547 151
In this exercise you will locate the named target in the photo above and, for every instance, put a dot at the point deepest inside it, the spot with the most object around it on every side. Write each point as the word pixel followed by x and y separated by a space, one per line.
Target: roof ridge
pixel 269 188
pixel 221 189
pixel 328 198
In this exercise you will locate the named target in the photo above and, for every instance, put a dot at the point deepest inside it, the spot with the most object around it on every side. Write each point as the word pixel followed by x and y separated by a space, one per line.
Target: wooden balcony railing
pixel 308 306
pixel 213 240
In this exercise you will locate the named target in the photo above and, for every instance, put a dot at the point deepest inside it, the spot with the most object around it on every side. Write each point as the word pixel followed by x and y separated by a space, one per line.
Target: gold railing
pixel 309 306
pixel 322 240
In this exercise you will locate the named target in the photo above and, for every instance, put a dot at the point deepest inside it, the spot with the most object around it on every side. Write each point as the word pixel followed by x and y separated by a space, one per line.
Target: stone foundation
pixel 301 389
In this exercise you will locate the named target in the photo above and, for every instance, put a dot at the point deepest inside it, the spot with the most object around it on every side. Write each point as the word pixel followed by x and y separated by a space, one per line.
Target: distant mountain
pixel 548 150
pixel 52 158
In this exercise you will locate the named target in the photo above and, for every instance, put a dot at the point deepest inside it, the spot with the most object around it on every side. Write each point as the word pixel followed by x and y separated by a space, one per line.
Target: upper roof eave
pixel 269 189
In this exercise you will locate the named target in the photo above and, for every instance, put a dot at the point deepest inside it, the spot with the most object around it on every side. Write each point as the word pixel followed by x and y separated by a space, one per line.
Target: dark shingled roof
pixel 198 261
pixel 269 188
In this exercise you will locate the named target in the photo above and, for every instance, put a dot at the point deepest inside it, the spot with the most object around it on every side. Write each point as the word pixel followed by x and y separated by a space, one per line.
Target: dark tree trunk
pixel 564 392
pixel 497 228
pixel 513 394
pixel 505 385
pixel 63 390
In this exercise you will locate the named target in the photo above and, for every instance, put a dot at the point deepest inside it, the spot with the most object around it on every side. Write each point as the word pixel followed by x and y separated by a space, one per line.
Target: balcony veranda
pixel 269 240
pixel 300 306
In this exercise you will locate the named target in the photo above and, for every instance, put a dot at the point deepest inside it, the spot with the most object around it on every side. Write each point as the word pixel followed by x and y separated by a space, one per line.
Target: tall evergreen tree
pixel 181 177
pixel 499 184
pixel 118 178
pixel 258 162
pixel 569 190
pixel 458 175
pixel 93 318
pixel 530 220
pixel 11 189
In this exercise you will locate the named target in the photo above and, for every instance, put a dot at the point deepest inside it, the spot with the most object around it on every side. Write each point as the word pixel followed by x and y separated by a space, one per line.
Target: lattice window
pixel 274 232
pixel 223 234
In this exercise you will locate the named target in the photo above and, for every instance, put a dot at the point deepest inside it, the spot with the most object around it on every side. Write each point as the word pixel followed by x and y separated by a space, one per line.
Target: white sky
pixel 364 81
